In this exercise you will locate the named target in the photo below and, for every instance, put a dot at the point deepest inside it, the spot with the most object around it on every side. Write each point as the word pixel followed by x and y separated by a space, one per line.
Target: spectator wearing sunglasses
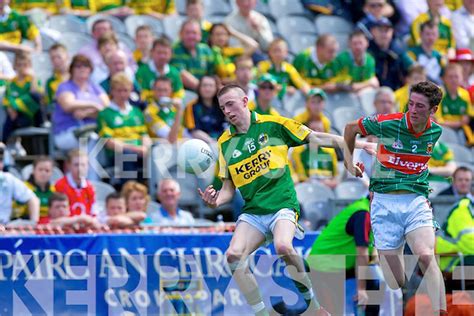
pixel 266 95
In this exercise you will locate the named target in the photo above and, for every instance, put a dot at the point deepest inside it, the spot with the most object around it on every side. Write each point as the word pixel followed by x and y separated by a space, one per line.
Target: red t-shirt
pixel 80 199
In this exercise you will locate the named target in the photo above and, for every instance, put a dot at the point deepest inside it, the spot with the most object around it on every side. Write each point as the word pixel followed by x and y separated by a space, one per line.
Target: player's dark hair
pixel 57 197
pixel 430 90
pixel 228 88
pixel 461 169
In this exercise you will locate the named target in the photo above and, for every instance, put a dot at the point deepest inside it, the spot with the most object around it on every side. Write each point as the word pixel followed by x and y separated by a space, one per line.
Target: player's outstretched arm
pixel 215 198
pixel 350 134
pixel 331 140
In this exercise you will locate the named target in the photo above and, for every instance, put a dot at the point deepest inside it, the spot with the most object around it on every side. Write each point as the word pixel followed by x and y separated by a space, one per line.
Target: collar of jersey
pixel 410 126
pixel 253 118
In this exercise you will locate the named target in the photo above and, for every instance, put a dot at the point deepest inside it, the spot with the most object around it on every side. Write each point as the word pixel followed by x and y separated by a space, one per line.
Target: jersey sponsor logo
pixel 255 165
pixel 429 148
pixel 404 163
pixel 397 144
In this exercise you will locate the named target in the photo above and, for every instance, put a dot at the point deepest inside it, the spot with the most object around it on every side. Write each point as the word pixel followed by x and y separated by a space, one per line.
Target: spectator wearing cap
pixel 465 58
pixel 314 64
pixel 374 10
pixel 314 110
pixel 285 74
pixel 416 73
pixel 445 43
pixel 266 93
pixel 463 25
pixel 13 189
pixel 425 54
pixel 391 62
pixel 355 67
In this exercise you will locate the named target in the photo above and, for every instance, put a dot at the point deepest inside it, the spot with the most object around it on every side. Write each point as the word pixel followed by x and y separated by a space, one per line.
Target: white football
pixel 194 156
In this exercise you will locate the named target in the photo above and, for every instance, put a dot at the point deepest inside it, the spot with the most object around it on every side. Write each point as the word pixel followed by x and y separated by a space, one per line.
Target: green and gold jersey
pixel 347 71
pixel 317 162
pixel 20 210
pixel 402 154
pixel 147 74
pixel 160 119
pixel 16 28
pixel 440 158
pixel 402 95
pixel 446 35
pixel 52 86
pixel 285 75
pixel 19 98
pixel 225 58
pixel 153 6
pixel 52 6
pixel 306 118
pixel 311 70
pixel 254 106
pixel 452 109
pixel 200 65
pixel 128 126
pixel 257 162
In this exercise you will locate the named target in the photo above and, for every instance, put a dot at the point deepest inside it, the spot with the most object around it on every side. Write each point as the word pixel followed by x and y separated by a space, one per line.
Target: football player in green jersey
pixel 253 157
pixel 400 210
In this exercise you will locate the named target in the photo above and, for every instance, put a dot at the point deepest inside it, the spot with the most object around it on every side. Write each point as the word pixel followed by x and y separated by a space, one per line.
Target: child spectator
pixel 195 11
pixel 456 110
pixel 59 214
pixel 40 183
pixel 78 189
pixel 159 65
pixel 266 93
pixel 163 115
pixel 116 211
pixel 285 74
pixel 224 54
pixel 60 61
pixel 244 76
pixel 22 97
pixel 143 43
pixel 416 73
pixel 425 54
pixel 203 117
pixel 315 104
pixel 355 68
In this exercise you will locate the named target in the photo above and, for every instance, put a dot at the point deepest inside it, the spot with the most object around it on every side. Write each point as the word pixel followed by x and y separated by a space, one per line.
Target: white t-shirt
pixel 12 189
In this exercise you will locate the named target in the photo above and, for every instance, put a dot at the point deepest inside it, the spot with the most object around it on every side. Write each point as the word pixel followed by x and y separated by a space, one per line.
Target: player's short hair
pixel 113 196
pixel 430 90
pixel 461 169
pixel 225 89
pixel 143 27
pixel 57 197
pixel 57 46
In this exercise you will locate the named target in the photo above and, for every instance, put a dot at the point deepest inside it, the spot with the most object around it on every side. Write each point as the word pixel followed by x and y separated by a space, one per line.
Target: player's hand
pixel 209 196
pixel 356 170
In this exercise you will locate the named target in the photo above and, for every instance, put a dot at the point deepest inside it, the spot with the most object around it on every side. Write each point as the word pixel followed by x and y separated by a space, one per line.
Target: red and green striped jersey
pixel 402 154
pixel 257 162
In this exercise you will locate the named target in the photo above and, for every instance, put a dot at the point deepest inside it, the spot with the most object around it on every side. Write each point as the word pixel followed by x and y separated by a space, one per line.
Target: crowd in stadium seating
pixel 149 72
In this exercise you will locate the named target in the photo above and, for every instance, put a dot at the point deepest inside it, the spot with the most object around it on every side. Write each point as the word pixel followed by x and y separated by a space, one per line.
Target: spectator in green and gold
pixel 159 65
pixel 315 104
pixel 195 11
pixel 224 54
pixel 192 58
pixel 49 6
pixel 355 67
pixel 285 74
pixel 316 161
pixel 60 61
pixel 15 27
pixel 266 94
pixel 143 43
pixel 22 97
pixel 456 110
pixel 441 164
pixel 155 8
pixel 314 63
pixel 91 7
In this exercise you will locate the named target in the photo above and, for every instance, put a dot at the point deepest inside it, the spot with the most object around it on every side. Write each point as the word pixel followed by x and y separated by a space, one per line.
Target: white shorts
pixel 266 223
pixel 393 216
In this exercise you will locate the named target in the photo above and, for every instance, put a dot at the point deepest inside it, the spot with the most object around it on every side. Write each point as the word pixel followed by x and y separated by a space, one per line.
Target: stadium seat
pixel 38 16
pixel 342 40
pixel 366 99
pixel 216 7
pixel 14 171
pixel 294 103
pixel 345 114
pixel 290 25
pixel 351 189
pixel 216 18
pixel 67 23
pixel 313 191
pixel 280 8
pixel 450 136
pixel 117 24
pixel 172 24
pixel 134 21
pixel 332 24
pixel 28 170
pixel 461 154
pixel 180 6
pixel 263 8
pixel 75 41
pixel 102 189
pixel 318 213
pixel 47 40
pixel 42 66
pixel 299 42
pixel 128 41
pixel 437 187
pixel 336 100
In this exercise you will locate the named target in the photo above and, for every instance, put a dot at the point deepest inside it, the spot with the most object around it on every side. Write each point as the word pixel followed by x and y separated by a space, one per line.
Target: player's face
pixel 419 109
pixel 116 207
pixel 234 106
pixel 136 202
pixel 462 182
pixel 161 55
pixel 59 209
pixel 42 172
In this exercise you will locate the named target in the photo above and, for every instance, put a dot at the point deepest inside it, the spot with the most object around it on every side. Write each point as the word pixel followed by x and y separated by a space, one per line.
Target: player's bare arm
pixel 331 140
pixel 350 134
pixel 214 198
